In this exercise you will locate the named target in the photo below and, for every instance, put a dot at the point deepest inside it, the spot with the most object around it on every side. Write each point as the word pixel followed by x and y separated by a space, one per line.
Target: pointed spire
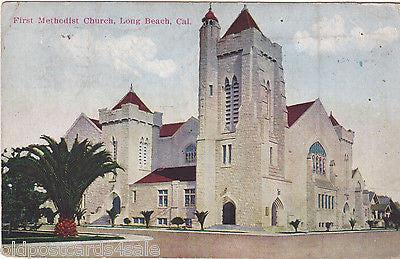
pixel 209 15
pixel 131 89
pixel 243 22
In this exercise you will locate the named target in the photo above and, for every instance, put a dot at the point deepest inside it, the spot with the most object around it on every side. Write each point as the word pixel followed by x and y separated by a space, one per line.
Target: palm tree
pixel 64 174
pixel 79 215
pixel 352 222
pixel 201 217
pixel 295 224
pixel 146 214
pixel 113 214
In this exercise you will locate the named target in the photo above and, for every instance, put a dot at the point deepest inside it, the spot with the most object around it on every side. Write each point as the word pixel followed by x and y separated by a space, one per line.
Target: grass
pixel 172 228
pixel 48 236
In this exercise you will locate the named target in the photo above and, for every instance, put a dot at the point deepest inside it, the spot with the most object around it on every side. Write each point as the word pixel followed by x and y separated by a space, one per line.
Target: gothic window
pixel 319 201
pixel 211 90
pixel 224 154
pixel 190 153
pixel 227 154
pixel 232 102
pixel 318 158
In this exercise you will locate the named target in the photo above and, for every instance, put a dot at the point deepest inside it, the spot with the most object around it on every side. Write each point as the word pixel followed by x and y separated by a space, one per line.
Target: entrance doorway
pixel 229 214
pixel 276 207
pixel 117 204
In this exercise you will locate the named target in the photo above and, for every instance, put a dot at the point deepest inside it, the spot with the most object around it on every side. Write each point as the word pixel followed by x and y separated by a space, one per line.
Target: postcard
pixel 187 129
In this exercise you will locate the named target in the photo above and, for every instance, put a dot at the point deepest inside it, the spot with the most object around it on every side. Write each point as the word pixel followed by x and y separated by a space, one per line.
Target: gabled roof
pixel 333 120
pixel 243 22
pixel 380 207
pixel 209 16
pixel 131 97
pixel 184 173
pixel 295 111
pixel 167 130
pixel 96 122
pixel 371 196
pixel 383 199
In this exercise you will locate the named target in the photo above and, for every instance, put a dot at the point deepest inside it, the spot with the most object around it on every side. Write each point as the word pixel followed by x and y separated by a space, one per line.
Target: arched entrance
pixel 229 214
pixel 276 206
pixel 117 204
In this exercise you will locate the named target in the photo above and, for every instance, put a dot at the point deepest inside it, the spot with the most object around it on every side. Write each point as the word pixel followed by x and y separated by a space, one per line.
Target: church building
pixel 249 159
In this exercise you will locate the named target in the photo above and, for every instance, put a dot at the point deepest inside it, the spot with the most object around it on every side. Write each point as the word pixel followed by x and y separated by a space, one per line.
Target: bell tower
pixel 208 115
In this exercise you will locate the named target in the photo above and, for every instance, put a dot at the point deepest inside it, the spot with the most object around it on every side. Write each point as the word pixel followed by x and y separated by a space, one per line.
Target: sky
pixel 345 54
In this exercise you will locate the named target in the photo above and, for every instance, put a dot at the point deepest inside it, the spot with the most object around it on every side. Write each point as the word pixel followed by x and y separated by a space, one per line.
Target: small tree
pixel 328 226
pixel 177 221
pixel 79 215
pixel 147 214
pixel 352 222
pixel 295 224
pixel 48 214
pixel 201 217
pixel 113 214
pixel 370 223
pixel 127 221
pixel 386 220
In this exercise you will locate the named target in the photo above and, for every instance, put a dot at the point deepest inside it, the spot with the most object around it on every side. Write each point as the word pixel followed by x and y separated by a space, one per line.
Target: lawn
pixel 48 236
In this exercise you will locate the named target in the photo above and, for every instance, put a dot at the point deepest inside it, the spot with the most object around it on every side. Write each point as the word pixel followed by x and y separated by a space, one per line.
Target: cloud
pixel 330 35
pixel 126 53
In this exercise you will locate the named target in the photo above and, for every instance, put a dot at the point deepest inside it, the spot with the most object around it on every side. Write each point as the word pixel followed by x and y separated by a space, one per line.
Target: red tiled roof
pixel 167 130
pixel 96 122
pixel 184 173
pixel 209 16
pixel 243 22
pixel 333 120
pixel 295 111
pixel 131 97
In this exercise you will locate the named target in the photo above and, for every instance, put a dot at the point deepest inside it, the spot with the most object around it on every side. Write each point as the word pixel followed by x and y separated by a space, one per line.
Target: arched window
pixel 190 153
pixel 233 102
pixel 318 157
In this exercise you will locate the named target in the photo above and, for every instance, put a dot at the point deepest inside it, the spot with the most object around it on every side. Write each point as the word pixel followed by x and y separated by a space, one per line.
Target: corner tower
pixel 208 111
pixel 242 112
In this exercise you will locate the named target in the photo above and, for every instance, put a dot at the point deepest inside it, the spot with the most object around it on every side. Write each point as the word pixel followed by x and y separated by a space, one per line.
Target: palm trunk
pixel 65 227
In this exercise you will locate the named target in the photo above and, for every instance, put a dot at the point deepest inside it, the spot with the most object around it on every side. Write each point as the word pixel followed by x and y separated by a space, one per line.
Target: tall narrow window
pixel 270 155
pixel 333 202
pixel 322 202
pixel 319 200
pixel 133 196
pixel 233 102
pixel 329 202
pixel 326 201
pixel 313 162
pixel 211 90
pixel 224 154
pixel 229 153
pixel 141 143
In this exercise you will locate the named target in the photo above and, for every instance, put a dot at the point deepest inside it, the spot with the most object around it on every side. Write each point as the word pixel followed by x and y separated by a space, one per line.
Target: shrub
pixel 127 221
pixel 370 223
pixel 328 226
pixel 177 221
pixel 295 224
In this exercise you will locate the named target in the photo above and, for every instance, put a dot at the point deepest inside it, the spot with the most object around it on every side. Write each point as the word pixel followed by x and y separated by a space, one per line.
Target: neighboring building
pixel 249 160
pixel 380 207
